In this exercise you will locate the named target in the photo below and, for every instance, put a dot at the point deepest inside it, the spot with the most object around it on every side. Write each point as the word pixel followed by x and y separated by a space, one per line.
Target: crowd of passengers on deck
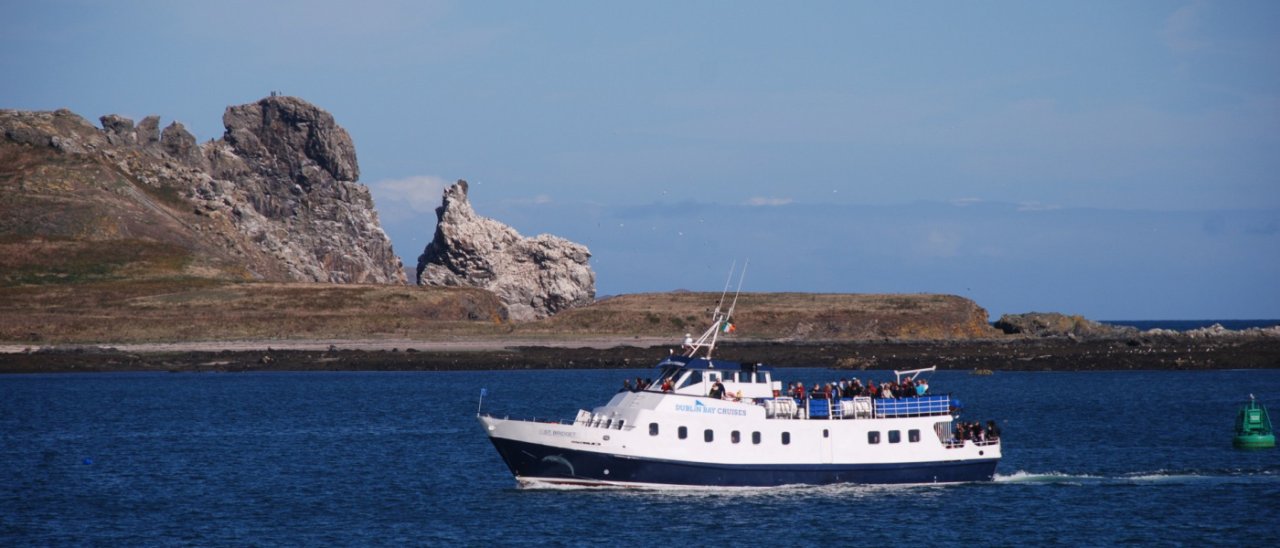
pixel 843 388
pixel 974 431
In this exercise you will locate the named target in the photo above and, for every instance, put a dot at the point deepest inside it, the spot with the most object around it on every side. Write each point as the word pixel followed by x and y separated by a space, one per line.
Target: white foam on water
pixel 1136 478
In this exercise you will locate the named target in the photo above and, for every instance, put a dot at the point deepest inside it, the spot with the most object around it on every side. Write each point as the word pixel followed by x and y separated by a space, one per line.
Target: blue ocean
pixel 353 459
pixel 1187 325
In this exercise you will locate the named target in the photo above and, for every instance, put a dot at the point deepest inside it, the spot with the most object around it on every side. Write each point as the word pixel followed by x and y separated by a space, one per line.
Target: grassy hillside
pixel 196 309
pixel 192 309
pixel 781 316
pixel 75 218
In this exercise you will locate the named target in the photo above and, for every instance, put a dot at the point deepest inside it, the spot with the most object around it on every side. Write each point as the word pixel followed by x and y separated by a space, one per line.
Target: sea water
pixel 398 458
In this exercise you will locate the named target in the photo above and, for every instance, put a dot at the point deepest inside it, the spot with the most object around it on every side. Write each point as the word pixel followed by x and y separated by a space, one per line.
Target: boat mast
pixel 718 318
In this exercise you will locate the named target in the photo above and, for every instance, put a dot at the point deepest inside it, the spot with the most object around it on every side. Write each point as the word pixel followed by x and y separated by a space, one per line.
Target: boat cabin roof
pixel 695 376
pixel 687 362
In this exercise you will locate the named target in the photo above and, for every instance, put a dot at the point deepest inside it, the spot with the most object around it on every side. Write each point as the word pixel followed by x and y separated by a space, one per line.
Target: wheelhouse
pixel 695 377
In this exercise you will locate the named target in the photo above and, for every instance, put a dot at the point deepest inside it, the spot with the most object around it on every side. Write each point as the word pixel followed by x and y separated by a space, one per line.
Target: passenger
pixel 993 431
pixel 717 391
pixel 826 391
pixel 626 385
pixel 922 388
pixel 688 343
pixel 640 384
pixel 738 395
pixel 667 386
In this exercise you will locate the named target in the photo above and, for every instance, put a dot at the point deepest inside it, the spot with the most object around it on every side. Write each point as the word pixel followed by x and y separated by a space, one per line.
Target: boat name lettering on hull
pixel 561 433
pixel 699 407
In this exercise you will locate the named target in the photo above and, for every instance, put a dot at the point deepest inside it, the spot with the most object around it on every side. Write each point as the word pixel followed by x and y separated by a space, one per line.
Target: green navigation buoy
pixel 1253 427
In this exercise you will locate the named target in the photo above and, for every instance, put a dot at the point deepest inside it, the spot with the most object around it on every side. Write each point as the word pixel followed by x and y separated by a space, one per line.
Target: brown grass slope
pixel 189 309
pixel 781 316
pixel 74 218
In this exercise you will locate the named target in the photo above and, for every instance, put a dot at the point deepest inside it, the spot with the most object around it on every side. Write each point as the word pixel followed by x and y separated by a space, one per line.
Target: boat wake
pixel 1157 477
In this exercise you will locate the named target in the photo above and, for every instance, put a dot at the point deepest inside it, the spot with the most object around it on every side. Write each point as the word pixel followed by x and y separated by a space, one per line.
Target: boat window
pixel 895 436
pixel 913 436
pixel 653 429
pixel 735 436
pixel 708 435
pixel 826 433
pixel 730 377
pixel 786 438
pixel 873 437
pixel 755 438
pixel 682 432
pixel 694 377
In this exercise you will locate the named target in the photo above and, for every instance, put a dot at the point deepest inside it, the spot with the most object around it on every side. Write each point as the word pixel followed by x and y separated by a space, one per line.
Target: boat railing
pixel 601 420
pixel 857 408
pixel 610 424
pixel 954 443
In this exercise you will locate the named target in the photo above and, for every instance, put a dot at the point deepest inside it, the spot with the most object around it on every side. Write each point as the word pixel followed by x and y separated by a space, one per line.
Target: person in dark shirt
pixel 717 390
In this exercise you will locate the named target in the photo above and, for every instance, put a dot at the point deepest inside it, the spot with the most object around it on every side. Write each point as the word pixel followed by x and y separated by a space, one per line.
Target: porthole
pixel 755 438
pixel 708 436
pixel 873 437
pixel 895 436
pixel 786 438
pixel 682 432
pixel 653 429
pixel 735 436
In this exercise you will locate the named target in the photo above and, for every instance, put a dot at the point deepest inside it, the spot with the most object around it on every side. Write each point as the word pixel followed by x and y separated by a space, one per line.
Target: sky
pixel 1117 160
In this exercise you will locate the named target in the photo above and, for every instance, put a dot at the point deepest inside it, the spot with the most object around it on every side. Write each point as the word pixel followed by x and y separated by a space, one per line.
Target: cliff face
pixel 275 198
pixel 535 277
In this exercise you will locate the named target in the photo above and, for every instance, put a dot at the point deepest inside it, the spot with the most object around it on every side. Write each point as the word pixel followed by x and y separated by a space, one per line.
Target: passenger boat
pixel 758 437
pixel 1253 427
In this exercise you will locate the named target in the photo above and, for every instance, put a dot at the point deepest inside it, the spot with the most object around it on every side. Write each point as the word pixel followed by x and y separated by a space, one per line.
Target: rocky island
pixel 131 247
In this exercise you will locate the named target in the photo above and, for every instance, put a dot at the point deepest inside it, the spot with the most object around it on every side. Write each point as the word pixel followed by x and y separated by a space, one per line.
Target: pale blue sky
pixel 1112 159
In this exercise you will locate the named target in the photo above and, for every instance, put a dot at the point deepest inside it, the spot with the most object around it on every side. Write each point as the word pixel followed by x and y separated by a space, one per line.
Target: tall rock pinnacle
pixel 535 277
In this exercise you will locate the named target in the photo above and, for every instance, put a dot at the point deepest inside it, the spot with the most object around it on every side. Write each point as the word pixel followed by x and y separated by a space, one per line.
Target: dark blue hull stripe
pixel 529 460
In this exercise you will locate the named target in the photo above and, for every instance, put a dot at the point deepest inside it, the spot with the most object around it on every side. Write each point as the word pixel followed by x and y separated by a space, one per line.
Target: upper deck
pixel 755 384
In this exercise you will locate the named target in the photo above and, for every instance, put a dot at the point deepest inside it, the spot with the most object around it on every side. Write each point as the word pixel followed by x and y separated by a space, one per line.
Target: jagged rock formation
pixel 275 198
pixel 1053 324
pixel 535 277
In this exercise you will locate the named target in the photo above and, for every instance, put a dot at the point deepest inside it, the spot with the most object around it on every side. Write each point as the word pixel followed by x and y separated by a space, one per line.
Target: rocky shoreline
pixel 1157 352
